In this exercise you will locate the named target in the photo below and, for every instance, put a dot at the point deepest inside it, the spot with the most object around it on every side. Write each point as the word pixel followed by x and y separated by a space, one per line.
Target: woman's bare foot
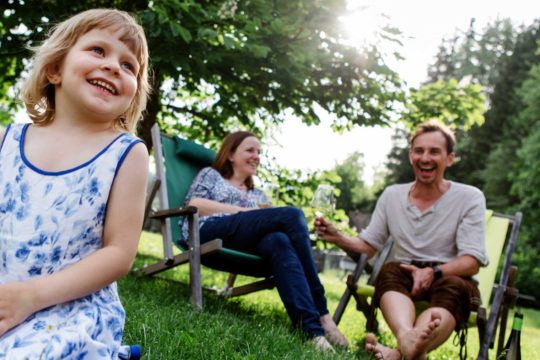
pixel 321 344
pixel 331 331
pixel 414 342
pixel 379 351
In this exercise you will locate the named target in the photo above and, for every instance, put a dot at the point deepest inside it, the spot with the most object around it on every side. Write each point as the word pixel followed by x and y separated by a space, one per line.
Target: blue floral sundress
pixel 49 221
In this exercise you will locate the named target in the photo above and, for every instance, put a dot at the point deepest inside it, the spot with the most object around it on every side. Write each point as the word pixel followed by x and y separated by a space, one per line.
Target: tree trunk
pixel 152 109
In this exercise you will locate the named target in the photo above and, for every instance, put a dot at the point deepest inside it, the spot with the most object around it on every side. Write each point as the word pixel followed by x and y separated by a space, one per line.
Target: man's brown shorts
pixel 456 294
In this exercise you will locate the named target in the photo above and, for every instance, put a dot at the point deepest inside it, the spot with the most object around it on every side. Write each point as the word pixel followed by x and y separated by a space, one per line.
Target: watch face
pixel 437 273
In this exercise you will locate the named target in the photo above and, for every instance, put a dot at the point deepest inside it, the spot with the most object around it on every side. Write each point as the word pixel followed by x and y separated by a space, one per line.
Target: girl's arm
pixel 208 207
pixel 122 230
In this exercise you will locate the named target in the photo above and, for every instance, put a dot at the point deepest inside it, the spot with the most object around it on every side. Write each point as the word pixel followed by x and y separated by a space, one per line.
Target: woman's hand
pixel 17 302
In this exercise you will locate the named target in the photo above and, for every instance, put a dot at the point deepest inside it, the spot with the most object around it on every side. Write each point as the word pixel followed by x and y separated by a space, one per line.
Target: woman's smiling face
pixel 245 160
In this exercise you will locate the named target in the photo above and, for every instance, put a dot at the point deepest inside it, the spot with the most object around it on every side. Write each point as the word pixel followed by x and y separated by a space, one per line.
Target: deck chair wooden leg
pixel 195 286
pixel 509 302
pixel 481 321
pixel 231 279
pixel 352 280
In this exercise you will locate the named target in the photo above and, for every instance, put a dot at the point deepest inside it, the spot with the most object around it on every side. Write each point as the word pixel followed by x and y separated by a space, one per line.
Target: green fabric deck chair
pixel 361 288
pixel 177 163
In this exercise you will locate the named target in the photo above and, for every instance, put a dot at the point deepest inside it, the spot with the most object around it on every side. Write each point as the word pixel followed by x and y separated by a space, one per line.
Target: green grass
pixel 255 326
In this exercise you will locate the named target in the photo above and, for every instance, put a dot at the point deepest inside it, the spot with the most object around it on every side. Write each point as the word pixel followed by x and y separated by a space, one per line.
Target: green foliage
pixel 460 106
pixel 399 169
pixel 474 54
pixel 353 193
pixel 501 129
pixel 248 62
pixel 222 63
pixel 525 185
pixel 296 188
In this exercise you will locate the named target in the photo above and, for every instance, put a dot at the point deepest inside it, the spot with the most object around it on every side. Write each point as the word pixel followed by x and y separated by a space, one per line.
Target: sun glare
pixel 363 23
pixel 360 28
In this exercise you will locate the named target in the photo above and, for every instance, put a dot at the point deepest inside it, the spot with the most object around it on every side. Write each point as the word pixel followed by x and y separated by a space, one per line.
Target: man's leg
pixel 415 337
pixel 399 312
pixel 443 331
pixel 392 295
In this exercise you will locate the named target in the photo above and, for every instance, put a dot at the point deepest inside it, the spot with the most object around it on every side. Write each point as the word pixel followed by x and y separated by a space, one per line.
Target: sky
pixel 424 24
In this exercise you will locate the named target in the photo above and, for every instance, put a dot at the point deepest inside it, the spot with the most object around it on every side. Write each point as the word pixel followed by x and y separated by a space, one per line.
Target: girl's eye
pixel 128 66
pixel 98 50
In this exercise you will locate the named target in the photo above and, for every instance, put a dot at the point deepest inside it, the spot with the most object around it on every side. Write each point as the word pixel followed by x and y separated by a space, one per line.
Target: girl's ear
pixel 53 74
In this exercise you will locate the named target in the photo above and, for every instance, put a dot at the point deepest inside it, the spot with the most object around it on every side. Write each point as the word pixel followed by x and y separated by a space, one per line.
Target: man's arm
pixel 327 231
pixel 465 265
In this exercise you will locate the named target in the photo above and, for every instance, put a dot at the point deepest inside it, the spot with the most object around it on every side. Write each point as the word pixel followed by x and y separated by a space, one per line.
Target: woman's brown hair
pixel 222 163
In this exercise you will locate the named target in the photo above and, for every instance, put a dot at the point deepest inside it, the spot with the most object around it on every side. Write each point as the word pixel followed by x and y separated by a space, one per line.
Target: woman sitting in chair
pixel 228 205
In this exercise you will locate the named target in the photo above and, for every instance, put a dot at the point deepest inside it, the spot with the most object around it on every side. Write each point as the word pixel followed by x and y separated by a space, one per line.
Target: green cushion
pixel 194 152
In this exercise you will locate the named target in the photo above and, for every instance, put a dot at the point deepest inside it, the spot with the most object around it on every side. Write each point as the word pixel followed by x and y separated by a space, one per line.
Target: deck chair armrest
pixel 380 261
pixel 183 211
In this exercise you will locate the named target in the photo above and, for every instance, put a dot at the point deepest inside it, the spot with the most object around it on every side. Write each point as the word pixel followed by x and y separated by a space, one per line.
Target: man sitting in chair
pixel 438 227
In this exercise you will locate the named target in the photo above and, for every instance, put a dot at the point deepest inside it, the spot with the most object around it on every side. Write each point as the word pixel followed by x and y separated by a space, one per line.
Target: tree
pixel 494 145
pixel 353 193
pixel 219 64
pixel 499 60
pixel 474 55
pixel 501 156
pixel 526 185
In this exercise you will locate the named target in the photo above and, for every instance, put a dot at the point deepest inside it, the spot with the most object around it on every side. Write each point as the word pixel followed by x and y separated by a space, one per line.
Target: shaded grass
pixel 255 326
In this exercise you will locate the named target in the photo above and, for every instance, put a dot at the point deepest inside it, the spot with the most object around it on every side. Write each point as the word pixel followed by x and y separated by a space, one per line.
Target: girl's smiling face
pixel 98 76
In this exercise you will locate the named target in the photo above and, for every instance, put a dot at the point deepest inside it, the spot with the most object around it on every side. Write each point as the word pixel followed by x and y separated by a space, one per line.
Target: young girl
pixel 229 208
pixel 72 187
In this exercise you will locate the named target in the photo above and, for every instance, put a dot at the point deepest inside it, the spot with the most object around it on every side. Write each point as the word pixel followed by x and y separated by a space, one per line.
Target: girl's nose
pixel 112 66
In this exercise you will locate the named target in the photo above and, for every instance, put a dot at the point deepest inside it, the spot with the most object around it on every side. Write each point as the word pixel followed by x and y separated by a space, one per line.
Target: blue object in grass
pixel 130 352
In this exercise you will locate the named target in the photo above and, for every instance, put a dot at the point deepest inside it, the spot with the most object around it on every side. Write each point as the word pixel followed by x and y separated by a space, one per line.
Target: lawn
pixel 255 326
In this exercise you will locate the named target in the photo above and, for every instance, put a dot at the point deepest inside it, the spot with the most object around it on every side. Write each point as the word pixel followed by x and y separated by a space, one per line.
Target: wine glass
pixel 323 200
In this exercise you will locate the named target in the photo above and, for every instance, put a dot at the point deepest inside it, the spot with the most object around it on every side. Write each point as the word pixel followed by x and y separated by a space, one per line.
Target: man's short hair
pixel 432 126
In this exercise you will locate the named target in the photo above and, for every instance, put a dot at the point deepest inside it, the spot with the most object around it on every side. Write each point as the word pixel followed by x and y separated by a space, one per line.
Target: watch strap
pixel 437 272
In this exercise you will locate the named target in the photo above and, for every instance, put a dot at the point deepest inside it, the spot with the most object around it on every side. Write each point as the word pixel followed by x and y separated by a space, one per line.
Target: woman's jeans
pixel 281 236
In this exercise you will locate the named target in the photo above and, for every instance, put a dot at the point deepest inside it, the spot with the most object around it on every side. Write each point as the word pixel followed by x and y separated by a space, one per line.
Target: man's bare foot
pixel 414 342
pixel 331 331
pixel 379 351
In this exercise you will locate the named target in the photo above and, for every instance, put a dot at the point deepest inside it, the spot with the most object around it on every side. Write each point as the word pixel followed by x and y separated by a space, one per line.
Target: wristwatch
pixel 437 272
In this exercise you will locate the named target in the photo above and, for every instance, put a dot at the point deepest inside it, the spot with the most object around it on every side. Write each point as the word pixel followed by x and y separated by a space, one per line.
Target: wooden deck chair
pixel 504 298
pixel 177 163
